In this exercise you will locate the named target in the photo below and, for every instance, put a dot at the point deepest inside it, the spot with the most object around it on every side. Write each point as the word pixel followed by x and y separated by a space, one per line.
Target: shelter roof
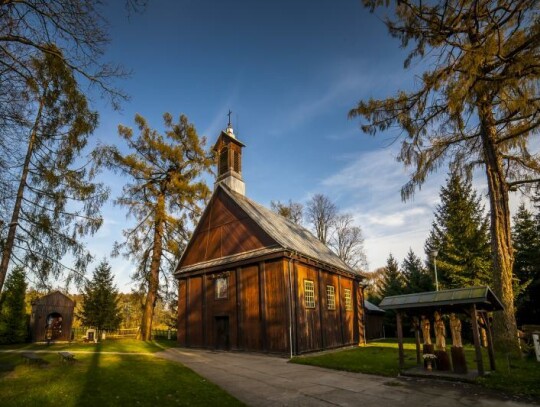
pixel 454 300
pixel 372 308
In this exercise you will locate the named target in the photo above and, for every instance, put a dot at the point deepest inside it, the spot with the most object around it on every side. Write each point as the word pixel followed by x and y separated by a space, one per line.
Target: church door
pixel 222 333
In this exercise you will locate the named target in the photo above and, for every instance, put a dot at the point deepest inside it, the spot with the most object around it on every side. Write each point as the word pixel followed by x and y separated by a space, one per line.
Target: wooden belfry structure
pixel 473 302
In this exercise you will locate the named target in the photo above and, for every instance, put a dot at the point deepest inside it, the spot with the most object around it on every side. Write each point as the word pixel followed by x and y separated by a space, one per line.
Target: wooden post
pixel 416 324
pixel 477 345
pixel 489 333
pixel 400 340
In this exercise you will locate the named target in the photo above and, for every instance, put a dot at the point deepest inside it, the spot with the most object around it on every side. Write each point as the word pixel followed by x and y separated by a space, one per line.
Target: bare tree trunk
pixel 10 241
pixel 153 279
pixel 505 333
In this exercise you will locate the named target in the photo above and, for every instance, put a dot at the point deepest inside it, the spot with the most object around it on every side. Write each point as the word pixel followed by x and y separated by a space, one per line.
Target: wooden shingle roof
pixel 288 236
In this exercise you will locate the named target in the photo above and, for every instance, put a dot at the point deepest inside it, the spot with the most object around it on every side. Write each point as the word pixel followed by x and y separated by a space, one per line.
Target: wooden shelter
pixel 52 317
pixel 474 302
pixel 250 279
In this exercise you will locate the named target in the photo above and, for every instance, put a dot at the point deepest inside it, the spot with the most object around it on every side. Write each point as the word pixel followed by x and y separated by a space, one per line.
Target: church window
pixel 222 286
pixel 223 161
pixel 331 297
pixel 348 299
pixel 309 294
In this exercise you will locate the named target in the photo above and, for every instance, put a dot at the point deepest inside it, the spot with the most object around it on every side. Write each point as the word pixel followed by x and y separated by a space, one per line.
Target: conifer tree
pixel 526 236
pixel 460 235
pixel 164 195
pixel 100 308
pixel 392 280
pixel 476 104
pixel 416 277
pixel 56 202
pixel 13 321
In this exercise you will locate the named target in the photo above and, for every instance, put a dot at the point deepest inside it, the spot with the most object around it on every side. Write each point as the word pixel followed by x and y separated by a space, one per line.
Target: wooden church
pixel 251 280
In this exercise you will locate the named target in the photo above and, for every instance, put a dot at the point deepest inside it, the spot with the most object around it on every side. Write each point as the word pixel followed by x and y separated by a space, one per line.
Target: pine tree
pixel 392 281
pixel 526 237
pixel 165 195
pixel 100 308
pixel 416 277
pixel 13 319
pixel 476 104
pixel 460 235
pixel 55 201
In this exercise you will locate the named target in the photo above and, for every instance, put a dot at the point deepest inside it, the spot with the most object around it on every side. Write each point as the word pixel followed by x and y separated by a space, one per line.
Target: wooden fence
pixel 80 332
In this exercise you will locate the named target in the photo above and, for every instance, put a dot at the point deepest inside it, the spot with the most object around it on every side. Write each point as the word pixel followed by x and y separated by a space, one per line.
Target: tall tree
pixel 526 235
pixel 164 195
pixel 461 237
pixel 293 211
pixel 321 213
pixel 100 304
pixel 348 243
pixel 477 104
pixel 392 282
pixel 415 275
pixel 13 321
pixel 56 201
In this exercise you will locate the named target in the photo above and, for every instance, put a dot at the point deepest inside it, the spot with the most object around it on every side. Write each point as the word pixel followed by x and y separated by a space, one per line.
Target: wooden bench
pixel 67 356
pixel 31 357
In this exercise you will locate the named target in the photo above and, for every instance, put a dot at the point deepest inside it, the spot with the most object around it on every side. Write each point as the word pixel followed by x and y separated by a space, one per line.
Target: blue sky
pixel 290 71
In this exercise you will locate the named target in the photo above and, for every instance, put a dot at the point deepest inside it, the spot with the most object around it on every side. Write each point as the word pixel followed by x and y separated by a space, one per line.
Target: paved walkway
pixel 260 380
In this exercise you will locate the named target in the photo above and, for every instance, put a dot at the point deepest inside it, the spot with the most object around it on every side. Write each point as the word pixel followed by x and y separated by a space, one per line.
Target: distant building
pixel 52 317
pixel 374 321
pixel 250 279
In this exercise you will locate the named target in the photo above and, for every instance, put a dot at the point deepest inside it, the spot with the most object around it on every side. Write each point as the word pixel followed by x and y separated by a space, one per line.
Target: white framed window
pixel 331 297
pixel 222 287
pixel 309 294
pixel 348 299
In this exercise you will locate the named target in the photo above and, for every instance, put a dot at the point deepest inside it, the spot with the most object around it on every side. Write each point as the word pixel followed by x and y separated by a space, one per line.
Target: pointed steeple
pixel 229 164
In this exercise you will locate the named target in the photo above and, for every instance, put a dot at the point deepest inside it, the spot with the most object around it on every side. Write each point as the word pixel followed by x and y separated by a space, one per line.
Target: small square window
pixel 222 287
pixel 309 294
pixel 331 297
pixel 348 299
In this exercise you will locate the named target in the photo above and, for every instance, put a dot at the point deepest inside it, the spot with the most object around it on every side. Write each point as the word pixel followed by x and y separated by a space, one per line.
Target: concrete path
pixel 260 380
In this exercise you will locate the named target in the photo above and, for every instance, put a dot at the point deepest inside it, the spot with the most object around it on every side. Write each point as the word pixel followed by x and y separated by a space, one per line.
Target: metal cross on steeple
pixel 229 114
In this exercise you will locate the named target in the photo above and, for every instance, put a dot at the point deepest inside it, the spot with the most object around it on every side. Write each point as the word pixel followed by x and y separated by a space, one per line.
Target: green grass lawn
pixel 97 379
pixel 109 345
pixel 381 358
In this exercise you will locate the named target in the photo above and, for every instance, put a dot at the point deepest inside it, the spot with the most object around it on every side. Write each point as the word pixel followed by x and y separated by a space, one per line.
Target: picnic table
pixel 67 356
pixel 31 357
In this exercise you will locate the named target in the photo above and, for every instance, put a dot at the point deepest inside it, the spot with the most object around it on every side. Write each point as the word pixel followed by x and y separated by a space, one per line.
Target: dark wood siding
pixel 194 312
pixel 221 307
pixel 224 230
pixel 309 323
pixel 250 308
pixel 276 306
pixel 330 318
pixel 182 291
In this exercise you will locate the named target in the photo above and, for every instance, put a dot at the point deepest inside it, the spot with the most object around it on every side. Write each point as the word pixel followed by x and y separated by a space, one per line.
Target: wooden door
pixel 222 333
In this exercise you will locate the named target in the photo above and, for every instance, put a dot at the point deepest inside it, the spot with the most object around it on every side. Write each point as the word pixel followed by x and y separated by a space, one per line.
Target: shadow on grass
pixel 91 377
